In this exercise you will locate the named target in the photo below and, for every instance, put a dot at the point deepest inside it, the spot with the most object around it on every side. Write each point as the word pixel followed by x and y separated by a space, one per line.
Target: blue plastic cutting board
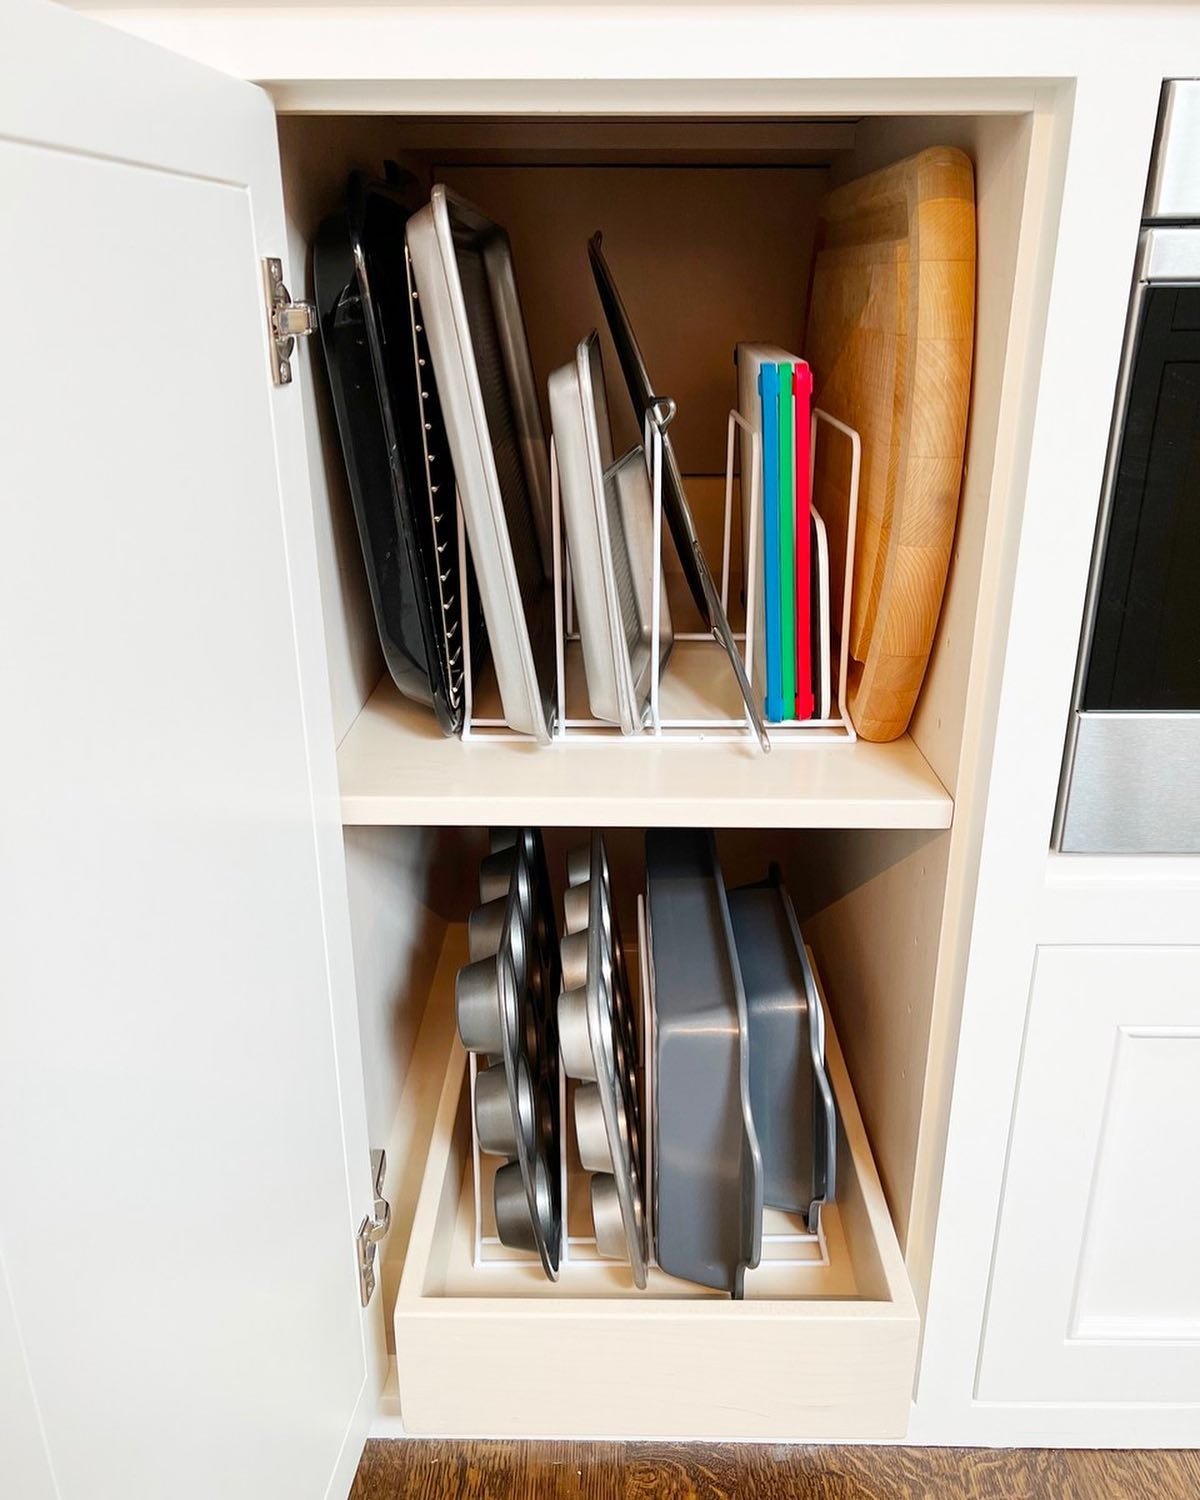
pixel 768 390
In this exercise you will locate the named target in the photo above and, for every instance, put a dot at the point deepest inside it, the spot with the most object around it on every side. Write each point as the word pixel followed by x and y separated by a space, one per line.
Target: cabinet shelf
pixel 395 767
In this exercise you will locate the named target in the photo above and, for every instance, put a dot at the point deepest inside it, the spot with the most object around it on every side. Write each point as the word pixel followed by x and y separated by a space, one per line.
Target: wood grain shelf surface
pixel 395 767
pixel 422 1469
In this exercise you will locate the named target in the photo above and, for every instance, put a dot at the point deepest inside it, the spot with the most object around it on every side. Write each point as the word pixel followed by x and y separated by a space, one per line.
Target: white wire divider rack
pixel 786 1243
pixel 662 725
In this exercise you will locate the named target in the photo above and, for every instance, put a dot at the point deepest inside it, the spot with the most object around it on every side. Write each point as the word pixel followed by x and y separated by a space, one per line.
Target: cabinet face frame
pixel 962 736
pixel 1025 896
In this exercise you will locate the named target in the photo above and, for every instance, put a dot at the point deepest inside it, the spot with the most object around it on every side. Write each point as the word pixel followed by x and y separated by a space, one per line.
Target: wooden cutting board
pixel 890 336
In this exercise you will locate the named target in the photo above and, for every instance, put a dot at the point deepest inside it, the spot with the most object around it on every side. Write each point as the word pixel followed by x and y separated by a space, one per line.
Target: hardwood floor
pixel 426 1470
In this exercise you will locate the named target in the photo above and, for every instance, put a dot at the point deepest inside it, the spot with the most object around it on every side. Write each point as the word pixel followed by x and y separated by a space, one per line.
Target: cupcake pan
pixel 708 1188
pixel 505 1010
pixel 743 1109
pixel 608 514
pixel 599 1042
pixel 790 1095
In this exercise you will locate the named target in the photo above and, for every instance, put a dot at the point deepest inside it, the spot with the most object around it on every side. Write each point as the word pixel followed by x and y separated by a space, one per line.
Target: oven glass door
pixel 1145 646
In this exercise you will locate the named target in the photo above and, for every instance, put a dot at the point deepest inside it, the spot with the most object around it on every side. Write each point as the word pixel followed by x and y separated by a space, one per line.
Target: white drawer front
pixel 1096 1284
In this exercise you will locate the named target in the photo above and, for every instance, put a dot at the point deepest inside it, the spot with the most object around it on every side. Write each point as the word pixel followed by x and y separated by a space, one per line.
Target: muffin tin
pixel 598 1037
pixel 504 1000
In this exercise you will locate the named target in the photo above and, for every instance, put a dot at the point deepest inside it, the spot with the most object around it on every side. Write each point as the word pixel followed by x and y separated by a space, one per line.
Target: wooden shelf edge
pixel 395 767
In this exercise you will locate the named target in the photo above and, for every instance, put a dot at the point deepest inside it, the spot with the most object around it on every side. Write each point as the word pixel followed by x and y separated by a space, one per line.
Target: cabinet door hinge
pixel 288 320
pixel 372 1229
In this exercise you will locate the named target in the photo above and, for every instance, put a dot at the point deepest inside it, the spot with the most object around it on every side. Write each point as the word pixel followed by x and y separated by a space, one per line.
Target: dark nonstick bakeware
pixel 394 443
pixel 674 498
pixel 790 1095
pixel 708 1175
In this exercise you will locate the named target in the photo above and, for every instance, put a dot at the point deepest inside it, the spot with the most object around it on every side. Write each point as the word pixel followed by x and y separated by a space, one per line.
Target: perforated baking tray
pixel 394 444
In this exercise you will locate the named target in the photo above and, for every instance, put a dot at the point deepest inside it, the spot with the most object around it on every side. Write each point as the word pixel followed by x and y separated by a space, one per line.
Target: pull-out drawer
pixel 823 1346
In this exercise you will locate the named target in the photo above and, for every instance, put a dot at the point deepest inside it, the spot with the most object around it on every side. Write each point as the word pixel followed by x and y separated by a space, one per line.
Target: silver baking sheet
pixel 470 311
pixel 608 516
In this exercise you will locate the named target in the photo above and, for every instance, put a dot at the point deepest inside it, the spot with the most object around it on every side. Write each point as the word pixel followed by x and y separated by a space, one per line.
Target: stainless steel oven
pixel 1131 776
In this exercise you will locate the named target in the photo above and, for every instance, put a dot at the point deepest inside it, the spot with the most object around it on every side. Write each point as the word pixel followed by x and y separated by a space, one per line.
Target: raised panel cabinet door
pixel 182 1149
pixel 1096 1285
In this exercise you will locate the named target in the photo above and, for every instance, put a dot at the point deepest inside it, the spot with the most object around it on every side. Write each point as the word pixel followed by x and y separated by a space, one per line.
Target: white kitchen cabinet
pixel 1094 1295
pixel 209 911
pixel 183 1153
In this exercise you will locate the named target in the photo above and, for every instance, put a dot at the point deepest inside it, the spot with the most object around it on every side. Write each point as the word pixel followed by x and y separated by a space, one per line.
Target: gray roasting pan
pixel 708 1178
pixel 471 314
pixel 790 1095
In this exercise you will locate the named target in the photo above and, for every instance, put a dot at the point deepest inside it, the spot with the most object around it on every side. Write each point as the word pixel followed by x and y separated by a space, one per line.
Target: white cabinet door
pixel 1096 1285
pixel 179 1094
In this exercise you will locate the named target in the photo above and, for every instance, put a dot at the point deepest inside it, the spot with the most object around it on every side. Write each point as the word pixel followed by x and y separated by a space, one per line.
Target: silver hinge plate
pixel 287 320
pixel 372 1229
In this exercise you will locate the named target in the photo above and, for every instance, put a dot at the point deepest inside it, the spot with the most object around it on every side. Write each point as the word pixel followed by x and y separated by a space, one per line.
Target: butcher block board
pixel 890 336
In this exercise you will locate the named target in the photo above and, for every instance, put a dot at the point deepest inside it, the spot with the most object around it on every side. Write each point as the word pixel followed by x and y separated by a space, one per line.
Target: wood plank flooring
pixel 436 1470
